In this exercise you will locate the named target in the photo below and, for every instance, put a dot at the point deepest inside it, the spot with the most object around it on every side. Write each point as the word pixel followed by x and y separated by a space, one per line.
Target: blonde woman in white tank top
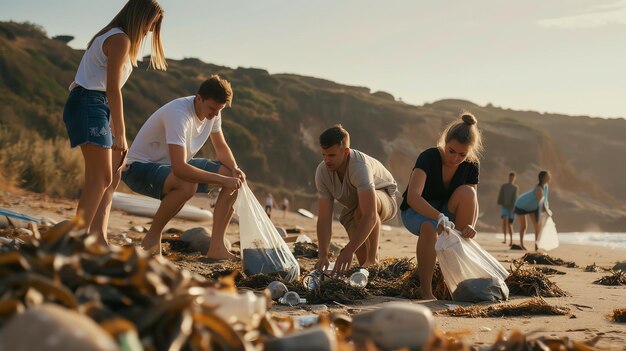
pixel 93 113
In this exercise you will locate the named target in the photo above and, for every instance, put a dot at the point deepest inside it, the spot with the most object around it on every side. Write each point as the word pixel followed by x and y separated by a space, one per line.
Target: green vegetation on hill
pixel 274 122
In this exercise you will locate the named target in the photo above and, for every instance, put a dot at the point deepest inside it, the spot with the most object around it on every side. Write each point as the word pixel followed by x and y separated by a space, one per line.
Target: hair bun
pixel 468 118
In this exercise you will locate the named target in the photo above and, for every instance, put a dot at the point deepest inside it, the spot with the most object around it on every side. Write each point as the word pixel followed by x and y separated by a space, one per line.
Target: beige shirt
pixel 363 173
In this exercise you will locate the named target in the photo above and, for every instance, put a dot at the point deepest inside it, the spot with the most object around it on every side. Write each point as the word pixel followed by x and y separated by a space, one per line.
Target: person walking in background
pixel 94 114
pixel 530 203
pixel 269 204
pixel 364 187
pixel 285 206
pixel 161 162
pixel 506 199
pixel 443 187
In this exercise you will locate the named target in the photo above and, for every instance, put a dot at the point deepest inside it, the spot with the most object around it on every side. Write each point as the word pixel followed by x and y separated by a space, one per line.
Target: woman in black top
pixel 443 185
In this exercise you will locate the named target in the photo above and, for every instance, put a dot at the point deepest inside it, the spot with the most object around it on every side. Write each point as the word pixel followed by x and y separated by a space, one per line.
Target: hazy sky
pixel 564 56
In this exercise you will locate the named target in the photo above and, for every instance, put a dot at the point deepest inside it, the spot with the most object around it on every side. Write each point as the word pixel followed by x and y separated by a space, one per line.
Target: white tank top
pixel 92 71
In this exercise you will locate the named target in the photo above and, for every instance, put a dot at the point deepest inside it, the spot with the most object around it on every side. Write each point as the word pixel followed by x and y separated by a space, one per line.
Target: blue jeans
pixel 149 178
pixel 86 116
pixel 413 220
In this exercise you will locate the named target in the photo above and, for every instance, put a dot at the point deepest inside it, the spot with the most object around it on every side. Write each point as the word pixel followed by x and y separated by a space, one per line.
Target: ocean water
pixel 614 240
pixel 611 240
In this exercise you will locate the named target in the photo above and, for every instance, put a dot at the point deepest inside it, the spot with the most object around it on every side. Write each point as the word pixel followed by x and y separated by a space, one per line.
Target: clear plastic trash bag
pixel 548 238
pixel 469 271
pixel 262 248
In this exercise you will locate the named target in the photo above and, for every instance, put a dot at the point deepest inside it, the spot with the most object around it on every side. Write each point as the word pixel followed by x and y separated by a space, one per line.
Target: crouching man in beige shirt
pixel 364 187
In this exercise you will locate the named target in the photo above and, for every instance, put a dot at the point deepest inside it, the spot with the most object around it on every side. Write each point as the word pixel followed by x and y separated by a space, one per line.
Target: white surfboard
pixel 145 206
pixel 306 213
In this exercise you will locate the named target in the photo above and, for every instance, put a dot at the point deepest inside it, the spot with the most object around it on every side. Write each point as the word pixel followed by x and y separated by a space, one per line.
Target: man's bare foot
pixel 220 255
pixel 152 246
pixel 368 263
pixel 504 242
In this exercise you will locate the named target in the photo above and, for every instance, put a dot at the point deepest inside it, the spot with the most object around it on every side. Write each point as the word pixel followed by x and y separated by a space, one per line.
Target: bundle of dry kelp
pixel 529 281
pixel 541 258
pixel 535 306
pixel 619 315
pixel 616 278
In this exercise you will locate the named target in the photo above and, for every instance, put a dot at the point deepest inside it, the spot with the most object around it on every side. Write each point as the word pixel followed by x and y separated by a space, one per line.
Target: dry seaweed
pixel 391 268
pixel 535 306
pixel 549 271
pixel 304 249
pixel 541 258
pixel 387 277
pixel 514 341
pixel 619 315
pixel 411 285
pixel 617 278
pixel 529 281
pixel 336 290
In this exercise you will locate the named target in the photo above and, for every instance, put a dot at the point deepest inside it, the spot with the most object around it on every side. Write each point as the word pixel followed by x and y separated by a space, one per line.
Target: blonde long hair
pixel 134 19
pixel 465 131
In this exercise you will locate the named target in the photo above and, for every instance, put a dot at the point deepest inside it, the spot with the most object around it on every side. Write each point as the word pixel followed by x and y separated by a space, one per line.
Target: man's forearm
pixel 323 239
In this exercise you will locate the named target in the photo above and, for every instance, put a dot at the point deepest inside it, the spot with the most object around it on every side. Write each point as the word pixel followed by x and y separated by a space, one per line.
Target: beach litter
pixel 277 289
pixel 535 306
pixel 595 268
pixel 394 326
pixel 529 281
pixel 541 258
pixel 619 315
pixel 616 278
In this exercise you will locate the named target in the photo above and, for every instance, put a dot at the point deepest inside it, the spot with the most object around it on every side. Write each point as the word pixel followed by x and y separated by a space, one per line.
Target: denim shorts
pixel 505 212
pixel 86 116
pixel 413 220
pixel 148 178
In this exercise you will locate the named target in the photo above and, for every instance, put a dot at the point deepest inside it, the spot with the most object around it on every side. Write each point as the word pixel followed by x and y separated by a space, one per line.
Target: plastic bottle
pixel 312 280
pixel 359 278
pixel 277 289
pixel 291 298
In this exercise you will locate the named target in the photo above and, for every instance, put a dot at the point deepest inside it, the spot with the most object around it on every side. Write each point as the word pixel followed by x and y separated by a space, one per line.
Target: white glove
pixel 444 222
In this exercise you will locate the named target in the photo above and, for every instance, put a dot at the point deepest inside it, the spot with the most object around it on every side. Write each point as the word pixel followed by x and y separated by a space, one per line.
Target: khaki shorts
pixel 388 209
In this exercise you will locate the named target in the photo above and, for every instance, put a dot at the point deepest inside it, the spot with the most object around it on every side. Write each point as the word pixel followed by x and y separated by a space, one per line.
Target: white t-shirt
pixel 363 173
pixel 175 123
pixel 92 70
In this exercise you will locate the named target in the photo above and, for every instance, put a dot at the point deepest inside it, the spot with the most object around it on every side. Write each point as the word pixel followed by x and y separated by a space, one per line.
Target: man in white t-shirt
pixel 160 161
pixel 364 187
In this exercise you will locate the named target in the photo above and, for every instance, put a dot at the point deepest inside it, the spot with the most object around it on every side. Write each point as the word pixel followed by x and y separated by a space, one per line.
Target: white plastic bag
pixel 262 248
pixel 470 269
pixel 548 238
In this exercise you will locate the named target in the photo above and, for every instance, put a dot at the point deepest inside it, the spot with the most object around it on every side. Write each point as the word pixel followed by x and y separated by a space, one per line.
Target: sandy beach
pixel 590 303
